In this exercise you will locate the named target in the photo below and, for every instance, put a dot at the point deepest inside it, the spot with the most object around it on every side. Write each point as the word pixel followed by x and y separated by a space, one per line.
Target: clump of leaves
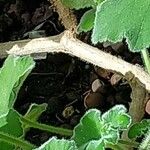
pixel 113 20
pixel 12 75
pixel 99 131
pixel 95 131
pixel 140 129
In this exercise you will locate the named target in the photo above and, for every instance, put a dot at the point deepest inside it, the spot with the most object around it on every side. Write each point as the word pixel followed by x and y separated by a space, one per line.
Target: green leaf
pixel 110 135
pixel 12 75
pixel 56 144
pixel 33 113
pixel 139 129
pixel 96 145
pixel 117 117
pixel 94 128
pixel 97 130
pixel 118 19
pixel 87 21
pixel 78 4
pixel 13 127
pixel 89 128
pixel 145 144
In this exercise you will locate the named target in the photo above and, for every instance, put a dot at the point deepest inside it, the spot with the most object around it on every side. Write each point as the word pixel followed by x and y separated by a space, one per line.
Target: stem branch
pixel 130 143
pixel 15 141
pixel 44 127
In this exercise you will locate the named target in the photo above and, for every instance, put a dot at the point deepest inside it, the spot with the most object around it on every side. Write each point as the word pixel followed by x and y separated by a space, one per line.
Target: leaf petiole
pixel 15 141
pixel 49 128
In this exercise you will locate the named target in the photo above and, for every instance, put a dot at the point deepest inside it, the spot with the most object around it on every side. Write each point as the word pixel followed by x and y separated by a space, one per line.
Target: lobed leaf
pixel 97 130
pixel 56 144
pixel 117 117
pixel 78 4
pixel 110 135
pixel 89 128
pixel 12 75
pixel 139 129
pixel 96 145
pixel 118 19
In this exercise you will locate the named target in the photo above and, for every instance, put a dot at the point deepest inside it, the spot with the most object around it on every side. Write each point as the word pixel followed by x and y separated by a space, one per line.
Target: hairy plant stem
pixel 120 145
pixel 146 59
pixel 113 147
pixel 16 141
pixel 49 128
pixel 130 143
pixel 122 142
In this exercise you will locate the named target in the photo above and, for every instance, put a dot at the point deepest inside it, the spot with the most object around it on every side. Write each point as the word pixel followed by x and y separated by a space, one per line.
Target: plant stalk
pixel 16 141
pixel 130 143
pixel 113 147
pixel 49 128
pixel 117 147
pixel 146 59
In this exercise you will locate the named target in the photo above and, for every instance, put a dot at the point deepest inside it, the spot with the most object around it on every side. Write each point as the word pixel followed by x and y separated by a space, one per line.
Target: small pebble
pixel 147 108
pixel 96 85
pixel 94 100
pixel 115 78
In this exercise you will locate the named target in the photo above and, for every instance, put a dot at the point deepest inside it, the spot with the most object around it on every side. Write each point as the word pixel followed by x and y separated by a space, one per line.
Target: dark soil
pixel 18 18
pixel 59 80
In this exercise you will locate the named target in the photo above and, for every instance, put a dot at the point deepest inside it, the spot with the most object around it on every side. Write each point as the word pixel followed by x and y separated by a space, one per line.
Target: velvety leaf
pixel 139 129
pixel 110 135
pixel 13 127
pixel 89 128
pixel 145 144
pixel 96 128
pixel 12 75
pixel 118 19
pixel 56 144
pixel 117 117
pixel 87 21
pixel 78 4
pixel 96 145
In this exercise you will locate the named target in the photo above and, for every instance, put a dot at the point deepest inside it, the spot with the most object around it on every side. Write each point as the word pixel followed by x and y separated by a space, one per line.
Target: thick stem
pixel 44 127
pixel 66 15
pixel 64 43
pixel 15 141
pixel 146 59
